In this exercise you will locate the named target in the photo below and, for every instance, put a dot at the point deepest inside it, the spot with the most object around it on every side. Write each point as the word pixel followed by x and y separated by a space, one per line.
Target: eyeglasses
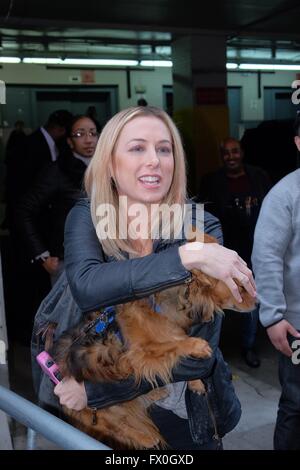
pixel 81 134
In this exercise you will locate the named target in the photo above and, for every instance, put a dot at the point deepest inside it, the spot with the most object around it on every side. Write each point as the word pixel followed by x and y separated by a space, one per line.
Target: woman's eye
pixel 137 148
pixel 164 150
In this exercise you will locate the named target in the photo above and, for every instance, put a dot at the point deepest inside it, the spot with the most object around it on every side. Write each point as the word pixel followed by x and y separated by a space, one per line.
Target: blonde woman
pixel 139 166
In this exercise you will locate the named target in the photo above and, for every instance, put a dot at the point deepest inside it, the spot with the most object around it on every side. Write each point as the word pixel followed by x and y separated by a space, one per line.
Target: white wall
pixel 13 74
pixel 252 106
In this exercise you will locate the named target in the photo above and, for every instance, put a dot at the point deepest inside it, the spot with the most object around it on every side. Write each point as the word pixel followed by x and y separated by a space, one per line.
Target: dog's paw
pixel 157 393
pixel 200 348
pixel 196 386
pixel 149 442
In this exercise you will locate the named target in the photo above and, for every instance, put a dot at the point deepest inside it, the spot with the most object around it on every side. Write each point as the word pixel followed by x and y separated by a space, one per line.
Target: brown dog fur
pixel 153 345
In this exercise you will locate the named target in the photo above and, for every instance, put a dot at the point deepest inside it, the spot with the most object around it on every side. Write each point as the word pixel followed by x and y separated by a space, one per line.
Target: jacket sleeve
pixel 95 283
pixel 33 203
pixel 103 394
pixel 273 232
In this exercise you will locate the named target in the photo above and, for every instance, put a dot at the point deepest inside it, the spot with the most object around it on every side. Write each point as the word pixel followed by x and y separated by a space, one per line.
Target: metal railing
pixel 52 428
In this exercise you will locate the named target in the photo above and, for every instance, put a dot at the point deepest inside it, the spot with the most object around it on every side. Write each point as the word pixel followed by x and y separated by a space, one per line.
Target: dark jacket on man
pixel 42 213
pixel 214 187
pixel 37 154
pixel 238 225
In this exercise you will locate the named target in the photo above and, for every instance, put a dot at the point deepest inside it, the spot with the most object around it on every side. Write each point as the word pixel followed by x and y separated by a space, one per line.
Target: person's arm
pixel 102 394
pixel 31 207
pixel 95 283
pixel 273 232
pixel 85 266
pixel 271 238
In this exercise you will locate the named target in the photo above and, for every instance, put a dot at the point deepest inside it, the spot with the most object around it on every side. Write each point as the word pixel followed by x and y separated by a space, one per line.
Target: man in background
pixel 234 194
pixel 43 145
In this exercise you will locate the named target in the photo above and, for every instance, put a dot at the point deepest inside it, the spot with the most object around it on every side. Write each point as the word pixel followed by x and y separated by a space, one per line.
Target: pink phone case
pixel 49 367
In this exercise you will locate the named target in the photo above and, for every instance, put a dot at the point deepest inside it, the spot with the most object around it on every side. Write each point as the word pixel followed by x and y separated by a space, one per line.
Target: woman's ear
pixel 111 171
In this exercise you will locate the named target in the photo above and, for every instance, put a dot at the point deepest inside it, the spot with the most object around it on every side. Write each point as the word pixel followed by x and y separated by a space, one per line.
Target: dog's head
pixel 208 295
pixel 201 296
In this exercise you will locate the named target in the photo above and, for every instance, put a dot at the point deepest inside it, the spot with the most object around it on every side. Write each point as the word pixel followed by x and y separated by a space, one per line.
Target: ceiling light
pixel 75 61
pixel 269 67
pixel 10 60
pixel 100 62
pixel 231 66
pixel 42 60
pixel 156 63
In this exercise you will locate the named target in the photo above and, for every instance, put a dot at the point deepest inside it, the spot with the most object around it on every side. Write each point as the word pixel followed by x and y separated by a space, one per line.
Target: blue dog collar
pixel 107 317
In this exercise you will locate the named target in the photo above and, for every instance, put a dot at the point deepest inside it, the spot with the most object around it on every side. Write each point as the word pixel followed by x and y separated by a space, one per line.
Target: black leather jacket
pixel 97 281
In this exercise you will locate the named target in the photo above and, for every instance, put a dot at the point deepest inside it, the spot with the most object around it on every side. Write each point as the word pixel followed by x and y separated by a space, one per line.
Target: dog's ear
pixel 201 279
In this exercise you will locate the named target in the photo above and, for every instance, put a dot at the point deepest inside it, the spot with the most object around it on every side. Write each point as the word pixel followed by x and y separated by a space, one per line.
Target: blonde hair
pixel 100 186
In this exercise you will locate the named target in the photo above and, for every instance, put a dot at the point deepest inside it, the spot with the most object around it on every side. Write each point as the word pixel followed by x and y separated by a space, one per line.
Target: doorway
pixel 278 103
pixel 33 104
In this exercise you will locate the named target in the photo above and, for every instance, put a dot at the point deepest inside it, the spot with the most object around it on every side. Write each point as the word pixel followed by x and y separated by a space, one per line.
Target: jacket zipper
pixel 216 434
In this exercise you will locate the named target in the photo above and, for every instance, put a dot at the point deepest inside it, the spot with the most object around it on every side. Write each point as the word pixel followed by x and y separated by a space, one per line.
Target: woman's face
pixel 84 137
pixel 143 162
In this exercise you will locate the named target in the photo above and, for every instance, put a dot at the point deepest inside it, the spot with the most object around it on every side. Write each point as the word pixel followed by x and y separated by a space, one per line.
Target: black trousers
pixel 287 430
pixel 176 431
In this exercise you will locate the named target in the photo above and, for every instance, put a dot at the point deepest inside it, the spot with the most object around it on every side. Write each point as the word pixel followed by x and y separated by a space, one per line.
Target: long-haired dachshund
pixel 152 344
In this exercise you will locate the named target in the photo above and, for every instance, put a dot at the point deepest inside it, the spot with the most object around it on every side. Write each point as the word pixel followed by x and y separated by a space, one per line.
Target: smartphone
pixel 49 367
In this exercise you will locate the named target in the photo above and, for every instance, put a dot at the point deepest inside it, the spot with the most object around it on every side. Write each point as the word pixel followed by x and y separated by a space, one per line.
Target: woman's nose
pixel 152 158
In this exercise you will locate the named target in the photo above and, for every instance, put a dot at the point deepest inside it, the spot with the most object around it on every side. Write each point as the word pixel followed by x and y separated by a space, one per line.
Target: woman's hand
pixel 71 394
pixel 218 262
